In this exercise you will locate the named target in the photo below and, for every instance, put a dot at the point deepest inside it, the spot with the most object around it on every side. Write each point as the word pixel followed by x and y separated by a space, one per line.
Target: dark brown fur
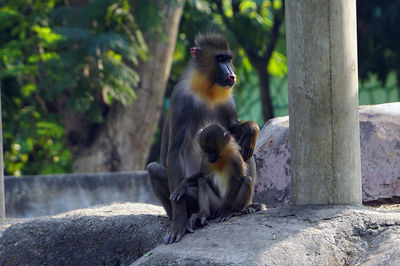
pixel 225 171
pixel 222 168
pixel 203 95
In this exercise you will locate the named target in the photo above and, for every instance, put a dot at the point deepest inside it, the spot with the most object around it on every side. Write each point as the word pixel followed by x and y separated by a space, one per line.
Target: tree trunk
pixel 266 101
pixel 259 61
pixel 124 141
pixel 2 193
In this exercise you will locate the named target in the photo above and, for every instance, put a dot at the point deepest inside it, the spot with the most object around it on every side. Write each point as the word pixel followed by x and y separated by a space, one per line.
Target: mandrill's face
pixel 224 71
pixel 212 140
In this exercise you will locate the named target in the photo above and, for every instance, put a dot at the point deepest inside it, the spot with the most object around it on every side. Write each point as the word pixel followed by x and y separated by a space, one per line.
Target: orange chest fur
pixel 220 165
pixel 208 91
pixel 223 164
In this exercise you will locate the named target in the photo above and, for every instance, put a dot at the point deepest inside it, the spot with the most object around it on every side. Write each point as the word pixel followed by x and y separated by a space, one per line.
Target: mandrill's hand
pixel 245 134
pixel 246 148
pixel 179 192
pixel 177 232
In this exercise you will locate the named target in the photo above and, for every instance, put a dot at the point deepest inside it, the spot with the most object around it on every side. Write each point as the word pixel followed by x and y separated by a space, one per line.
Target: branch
pixel 278 18
pixel 256 59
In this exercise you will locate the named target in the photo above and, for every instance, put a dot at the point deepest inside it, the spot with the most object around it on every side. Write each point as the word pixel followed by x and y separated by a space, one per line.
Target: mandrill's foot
pixel 254 207
pixel 176 233
pixel 226 216
pixel 197 220
pixel 203 220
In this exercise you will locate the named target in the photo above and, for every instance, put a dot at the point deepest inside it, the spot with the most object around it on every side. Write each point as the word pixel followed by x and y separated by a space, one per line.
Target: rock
pixel 125 233
pixel 115 234
pixel 380 151
pixel 380 156
pixel 272 156
pixel 336 235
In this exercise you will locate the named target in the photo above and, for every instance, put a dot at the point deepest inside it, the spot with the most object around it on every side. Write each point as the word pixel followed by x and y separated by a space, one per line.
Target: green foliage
pixel 55 57
pixel 148 15
pixel 371 91
pixel 203 16
pixel 33 140
pixel 378 38
pixel 379 50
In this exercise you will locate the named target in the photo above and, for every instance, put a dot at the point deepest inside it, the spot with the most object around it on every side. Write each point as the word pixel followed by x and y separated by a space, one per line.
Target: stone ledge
pixel 329 235
pixel 115 234
pixel 125 233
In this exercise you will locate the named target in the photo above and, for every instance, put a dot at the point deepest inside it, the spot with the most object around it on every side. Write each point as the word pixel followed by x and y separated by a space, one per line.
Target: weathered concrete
pixel 119 234
pixel 32 196
pixel 380 156
pixel 323 101
pixel 116 234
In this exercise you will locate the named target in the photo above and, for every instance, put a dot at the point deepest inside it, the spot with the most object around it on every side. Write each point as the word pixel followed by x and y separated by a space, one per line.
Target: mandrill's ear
pixel 193 51
pixel 227 136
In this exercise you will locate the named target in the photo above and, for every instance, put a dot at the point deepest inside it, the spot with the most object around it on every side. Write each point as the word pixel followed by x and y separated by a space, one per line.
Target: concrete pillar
pixel 2 202
pixel 323 101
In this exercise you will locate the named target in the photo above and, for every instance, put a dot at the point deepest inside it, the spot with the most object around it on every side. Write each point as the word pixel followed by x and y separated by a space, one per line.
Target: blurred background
pixel 85 85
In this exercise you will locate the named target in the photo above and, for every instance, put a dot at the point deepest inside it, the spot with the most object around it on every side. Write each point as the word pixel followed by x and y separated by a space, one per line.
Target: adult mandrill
pixel 202 96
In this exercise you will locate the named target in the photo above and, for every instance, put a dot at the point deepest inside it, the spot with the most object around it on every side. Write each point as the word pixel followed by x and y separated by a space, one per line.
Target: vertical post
pixel 2 201
pixel 323 101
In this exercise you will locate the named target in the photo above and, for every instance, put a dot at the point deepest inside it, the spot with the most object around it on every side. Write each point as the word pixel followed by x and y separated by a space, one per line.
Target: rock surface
pixel 380 150
pixel 380 156
pixel 115 234
pixel 121 234
pixel 272 156
pixel 337 235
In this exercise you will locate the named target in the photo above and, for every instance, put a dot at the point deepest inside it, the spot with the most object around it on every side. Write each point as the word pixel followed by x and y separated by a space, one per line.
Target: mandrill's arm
pixel 245 133
pixel 181 190
pixel 178 133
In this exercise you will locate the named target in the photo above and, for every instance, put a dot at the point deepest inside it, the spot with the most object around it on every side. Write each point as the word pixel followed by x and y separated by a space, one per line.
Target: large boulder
pixel 380 156
pixel 380 151
pixel 115 234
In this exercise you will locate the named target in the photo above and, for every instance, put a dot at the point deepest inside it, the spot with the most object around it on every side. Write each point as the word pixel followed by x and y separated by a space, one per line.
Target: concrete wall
pixel 31 196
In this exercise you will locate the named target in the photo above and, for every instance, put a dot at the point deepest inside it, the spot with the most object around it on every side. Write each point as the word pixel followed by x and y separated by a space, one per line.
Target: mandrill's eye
pixel 223 57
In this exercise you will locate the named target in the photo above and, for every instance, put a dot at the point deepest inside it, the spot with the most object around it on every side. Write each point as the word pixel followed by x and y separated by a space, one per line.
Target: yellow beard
pixel 207 91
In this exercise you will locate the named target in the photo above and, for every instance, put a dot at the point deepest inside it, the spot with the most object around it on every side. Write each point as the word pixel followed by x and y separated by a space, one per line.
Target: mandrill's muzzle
pixel 230 80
